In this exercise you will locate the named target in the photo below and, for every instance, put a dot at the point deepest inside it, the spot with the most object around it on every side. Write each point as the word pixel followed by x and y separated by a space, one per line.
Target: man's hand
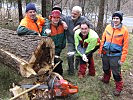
pixel 76 27
pixel 48 31
pixel 64 25
pixel 84 58
pixel 39 34
pixel 70 53
pixel 120 63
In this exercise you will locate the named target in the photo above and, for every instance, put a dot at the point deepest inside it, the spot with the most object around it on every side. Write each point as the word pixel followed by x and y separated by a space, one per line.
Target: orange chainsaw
pixel 54 88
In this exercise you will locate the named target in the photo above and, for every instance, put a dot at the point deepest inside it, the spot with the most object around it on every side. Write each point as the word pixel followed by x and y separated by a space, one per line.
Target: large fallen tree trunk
pixel 27 54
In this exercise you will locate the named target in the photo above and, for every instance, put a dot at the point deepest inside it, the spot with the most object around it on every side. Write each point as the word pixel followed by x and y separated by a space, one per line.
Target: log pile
pixel 26 54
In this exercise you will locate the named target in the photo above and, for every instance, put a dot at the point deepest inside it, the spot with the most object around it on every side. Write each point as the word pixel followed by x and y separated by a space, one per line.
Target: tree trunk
pixel 46 8
pixel 20 10
pixel 43 8
pixel 27 1
pixel 100 18
pixel 27 54
pixel 118 5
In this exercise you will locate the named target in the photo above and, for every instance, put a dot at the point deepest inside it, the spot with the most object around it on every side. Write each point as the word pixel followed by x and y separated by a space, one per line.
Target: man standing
pixel 86 43
pixel 58 35
pixel 31 24
pixel 113 50
pixel 72 22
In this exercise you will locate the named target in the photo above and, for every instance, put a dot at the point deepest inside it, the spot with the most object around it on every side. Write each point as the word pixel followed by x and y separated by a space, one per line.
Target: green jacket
pixel 58 36
pixel 87 45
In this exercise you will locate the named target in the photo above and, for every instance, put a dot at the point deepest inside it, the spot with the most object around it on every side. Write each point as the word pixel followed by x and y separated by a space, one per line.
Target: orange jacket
pixel 30 24
pixel 115 42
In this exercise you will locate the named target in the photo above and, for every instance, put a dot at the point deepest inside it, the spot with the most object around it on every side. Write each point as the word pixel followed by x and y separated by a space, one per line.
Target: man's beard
pixel 73 18
pixel 33 17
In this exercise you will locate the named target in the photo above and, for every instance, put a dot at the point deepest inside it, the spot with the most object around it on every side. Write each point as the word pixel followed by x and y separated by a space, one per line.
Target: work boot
pixel 71 65
pixel 116 93
pixel 77 62
pixel 80 76
pixel 105 78
pixel 102 80
pixel 118 89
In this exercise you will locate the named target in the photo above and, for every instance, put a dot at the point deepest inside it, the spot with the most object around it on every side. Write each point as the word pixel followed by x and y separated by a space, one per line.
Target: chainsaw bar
pixel 27 86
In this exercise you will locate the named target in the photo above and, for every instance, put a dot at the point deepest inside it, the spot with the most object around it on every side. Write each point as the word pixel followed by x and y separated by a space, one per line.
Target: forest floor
pixel 127 93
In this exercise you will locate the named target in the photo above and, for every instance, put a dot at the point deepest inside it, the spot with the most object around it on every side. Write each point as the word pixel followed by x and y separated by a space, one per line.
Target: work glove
pixel 120 63
pixel 70 53
pixel 84 58
pixel 48 31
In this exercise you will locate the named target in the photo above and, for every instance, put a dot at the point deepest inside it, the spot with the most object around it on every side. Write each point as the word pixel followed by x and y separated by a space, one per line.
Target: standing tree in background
pixel 27 1
pixel 46 7
pixel 82 4
pixel 100 18
pixel 43 8
pixel 118 5
pixel 20 10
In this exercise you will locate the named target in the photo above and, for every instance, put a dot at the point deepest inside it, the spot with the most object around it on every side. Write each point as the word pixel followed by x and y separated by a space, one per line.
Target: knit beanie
pixel 118 14
pixel 56 7
pixel 55 13
pixel 30 6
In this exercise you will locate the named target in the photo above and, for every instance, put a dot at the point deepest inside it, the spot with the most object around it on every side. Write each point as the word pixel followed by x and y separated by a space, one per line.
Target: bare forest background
pixel 98 11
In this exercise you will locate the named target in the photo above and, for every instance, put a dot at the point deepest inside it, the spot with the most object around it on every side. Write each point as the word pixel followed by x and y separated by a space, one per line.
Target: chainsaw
pixel 50 89
pixel 55 88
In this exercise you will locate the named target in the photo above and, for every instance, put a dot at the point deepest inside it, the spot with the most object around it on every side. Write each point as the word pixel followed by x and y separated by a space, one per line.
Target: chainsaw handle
pixel 13 98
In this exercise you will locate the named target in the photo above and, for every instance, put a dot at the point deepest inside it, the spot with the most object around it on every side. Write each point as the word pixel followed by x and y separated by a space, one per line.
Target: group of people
pixel 82 41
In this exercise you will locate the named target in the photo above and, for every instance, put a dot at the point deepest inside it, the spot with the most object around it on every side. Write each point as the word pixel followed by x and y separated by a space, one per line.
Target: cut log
pixel 26 54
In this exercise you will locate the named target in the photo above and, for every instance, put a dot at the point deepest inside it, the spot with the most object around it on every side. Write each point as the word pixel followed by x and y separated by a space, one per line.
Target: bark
pixel 43 8
pixel 20 10
pixel 118 5
pixel 100 18
pixel 26 54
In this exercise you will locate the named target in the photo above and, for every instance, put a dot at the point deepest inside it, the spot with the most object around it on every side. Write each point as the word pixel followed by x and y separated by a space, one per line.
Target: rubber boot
pixel 77 62
pixel 106 77
pixel 82 70
pixel 71 65
pixel 91 67
pixel 118 89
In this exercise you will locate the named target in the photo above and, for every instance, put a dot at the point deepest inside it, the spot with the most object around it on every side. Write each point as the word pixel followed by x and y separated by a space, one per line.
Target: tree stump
pixel 26 54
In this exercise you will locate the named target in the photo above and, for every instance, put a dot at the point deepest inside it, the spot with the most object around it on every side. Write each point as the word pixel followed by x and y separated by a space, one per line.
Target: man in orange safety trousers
pixel 113 50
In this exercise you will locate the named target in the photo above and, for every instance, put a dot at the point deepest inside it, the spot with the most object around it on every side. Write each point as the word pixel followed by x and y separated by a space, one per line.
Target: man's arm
pixel 78 47
pixel 125 46
pixel 46 31
pixel 22 30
